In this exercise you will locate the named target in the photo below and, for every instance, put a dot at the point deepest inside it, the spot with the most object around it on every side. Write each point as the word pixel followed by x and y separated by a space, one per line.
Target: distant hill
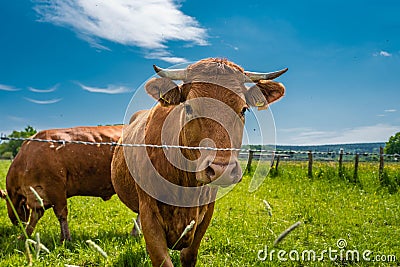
pixel 349 149
pixel 352 148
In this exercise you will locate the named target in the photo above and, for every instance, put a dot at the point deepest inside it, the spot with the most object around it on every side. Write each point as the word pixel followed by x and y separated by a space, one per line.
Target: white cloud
pixel 110 89
pixel 382 54
pixel 387 111
pixel 172 60
pixel 165 56
pixel 385 54
pixel 16 118
pixel 233 47
pixel 51 89
pixel 364 134
pixel 146 24
pixel 43 102
pixel 10 88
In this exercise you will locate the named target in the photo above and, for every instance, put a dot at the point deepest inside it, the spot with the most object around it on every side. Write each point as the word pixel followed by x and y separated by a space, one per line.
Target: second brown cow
pixel 57 171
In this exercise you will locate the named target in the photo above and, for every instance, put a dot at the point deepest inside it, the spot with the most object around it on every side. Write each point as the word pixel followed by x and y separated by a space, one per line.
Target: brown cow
pixel 170 187
pixel 58 171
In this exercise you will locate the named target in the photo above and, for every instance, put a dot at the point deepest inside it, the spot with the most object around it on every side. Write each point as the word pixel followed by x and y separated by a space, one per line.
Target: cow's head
pixel 19 204
pixel 213 100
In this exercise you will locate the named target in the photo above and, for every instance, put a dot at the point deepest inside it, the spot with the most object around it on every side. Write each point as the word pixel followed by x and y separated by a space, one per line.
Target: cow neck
pixel 157 119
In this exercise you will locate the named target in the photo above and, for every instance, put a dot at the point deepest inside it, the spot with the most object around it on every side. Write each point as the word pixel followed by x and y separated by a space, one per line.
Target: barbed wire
pixel 275 152
pixel 63 142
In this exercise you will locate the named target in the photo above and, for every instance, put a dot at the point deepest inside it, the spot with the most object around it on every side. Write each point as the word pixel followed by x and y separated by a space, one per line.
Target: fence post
pixel 381 162
pixel 341 162
pixel 310 162
pixel 250 160
pixel 277 163
pixel 355 177
pixel 273 160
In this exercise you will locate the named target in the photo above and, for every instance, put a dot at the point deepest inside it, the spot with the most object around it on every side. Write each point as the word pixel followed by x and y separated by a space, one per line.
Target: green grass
pixel 364 213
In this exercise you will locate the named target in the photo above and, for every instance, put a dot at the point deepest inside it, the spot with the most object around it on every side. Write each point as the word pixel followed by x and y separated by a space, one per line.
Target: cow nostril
pixel 225 173
pixel 210 172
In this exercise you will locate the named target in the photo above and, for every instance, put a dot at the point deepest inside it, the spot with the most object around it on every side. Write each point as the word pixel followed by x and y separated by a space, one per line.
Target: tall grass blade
pixel 137 227
pixel 97 248
pixel 268 207
pixel 285 233
pixel 42 247
pixel 28 253
pixel 16 215
pixel 37 246
pixel 37 196
pixel 188 228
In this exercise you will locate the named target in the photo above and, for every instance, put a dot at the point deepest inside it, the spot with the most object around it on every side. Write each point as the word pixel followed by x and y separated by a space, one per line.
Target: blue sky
pixel 68 63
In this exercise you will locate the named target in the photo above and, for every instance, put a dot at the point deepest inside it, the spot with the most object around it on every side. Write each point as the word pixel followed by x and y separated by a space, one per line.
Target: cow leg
pixel 154 236
pixel 61 211
pixel 188 255
pixel 35 215
pixel 136 228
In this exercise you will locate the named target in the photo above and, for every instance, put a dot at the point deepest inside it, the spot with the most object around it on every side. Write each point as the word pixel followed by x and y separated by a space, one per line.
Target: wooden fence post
pixel 381 163
pixel 355 177
pixel 273 160
pixel 250 160
pixel 341 162
pixel 310 162
pixel 277 163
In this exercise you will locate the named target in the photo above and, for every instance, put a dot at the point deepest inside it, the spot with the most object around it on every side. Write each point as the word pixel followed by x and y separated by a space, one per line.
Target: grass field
pixel 365 215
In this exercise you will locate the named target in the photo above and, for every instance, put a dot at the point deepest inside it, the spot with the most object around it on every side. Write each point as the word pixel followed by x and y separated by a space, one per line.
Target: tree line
pixel 9 149
pixel 393 145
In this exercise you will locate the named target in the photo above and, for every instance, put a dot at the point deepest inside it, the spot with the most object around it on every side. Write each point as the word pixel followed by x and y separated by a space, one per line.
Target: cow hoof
pixel 135 233
pixel 105 198
pixel 65 241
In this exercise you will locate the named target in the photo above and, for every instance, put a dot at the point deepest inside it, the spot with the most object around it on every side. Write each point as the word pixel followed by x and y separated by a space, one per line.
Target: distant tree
pixel 13 146
pixel 393 145
pixel 7 155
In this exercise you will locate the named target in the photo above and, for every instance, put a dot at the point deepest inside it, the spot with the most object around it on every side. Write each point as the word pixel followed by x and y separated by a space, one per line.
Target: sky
pixel 72 63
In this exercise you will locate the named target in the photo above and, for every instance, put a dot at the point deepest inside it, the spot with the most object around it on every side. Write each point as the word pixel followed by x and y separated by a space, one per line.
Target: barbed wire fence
pixel 251 154
pixel 285 153
pixel 333 156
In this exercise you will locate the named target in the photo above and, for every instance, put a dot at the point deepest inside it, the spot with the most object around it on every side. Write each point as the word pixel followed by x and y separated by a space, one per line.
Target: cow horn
pixel 256 76
pixel 173 74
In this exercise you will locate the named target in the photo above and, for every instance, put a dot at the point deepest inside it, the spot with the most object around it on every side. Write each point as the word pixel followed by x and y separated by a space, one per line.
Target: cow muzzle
pixel 219 173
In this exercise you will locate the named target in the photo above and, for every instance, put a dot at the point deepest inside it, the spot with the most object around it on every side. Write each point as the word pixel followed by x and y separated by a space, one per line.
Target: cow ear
pixel 164 90
pixel 264 93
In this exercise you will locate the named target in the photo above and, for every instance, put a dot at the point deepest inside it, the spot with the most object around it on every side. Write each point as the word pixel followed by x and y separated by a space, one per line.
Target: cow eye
pixel 244 111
